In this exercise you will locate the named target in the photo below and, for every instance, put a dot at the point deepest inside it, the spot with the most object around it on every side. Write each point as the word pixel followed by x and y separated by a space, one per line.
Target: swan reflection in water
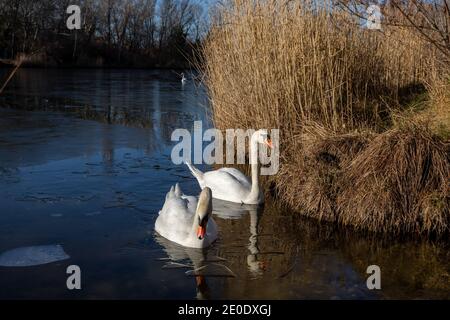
pixel 256 265
pixel 228 210
pixel 201 263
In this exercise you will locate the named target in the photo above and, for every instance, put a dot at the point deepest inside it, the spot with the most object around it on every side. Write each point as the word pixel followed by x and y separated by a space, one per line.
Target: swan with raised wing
pixel 186 220
pixel 232 185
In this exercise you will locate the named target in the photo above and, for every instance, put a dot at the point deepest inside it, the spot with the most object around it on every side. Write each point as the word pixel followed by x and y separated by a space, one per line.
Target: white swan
pixel 186 220
pixel 183 78
pixel 230 184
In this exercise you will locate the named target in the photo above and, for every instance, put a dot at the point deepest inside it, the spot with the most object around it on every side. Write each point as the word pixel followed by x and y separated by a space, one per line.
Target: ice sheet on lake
pixel 32 256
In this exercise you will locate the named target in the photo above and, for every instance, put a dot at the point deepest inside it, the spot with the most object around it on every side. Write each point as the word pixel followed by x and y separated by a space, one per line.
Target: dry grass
pixel 270 64
pixel 399 183
pixel 332 88
pixel 311 182
pixel 438 114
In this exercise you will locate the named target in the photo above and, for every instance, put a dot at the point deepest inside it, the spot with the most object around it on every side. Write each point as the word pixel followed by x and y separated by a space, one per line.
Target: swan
pixel 183 78
pixel 232 185
pixel 186 220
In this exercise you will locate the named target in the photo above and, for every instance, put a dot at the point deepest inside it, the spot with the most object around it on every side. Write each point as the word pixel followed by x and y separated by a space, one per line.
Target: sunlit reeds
pixel 336 90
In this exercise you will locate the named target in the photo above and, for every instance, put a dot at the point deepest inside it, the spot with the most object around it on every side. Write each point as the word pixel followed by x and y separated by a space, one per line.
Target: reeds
pixel 311 175
pixel 332 88
pixel 400 182
pixel 276 63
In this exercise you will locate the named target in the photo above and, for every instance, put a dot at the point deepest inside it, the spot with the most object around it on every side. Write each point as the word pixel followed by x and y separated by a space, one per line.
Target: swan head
pixel 262 136
pixel 203 212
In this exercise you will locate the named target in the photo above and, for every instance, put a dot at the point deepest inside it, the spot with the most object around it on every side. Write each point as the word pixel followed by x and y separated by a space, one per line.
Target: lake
pixel 85 163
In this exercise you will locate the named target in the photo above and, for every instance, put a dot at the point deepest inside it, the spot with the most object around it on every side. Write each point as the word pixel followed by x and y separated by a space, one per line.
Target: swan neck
pixel 203 210
pixel 195 224
pixel 254 166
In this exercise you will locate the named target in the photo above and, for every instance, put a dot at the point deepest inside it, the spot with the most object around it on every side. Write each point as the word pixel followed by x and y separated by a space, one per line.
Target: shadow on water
pixel 85 164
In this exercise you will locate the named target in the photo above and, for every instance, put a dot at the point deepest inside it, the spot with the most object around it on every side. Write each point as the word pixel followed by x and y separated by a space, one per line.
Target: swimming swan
pixel 230 184
pixel 186 220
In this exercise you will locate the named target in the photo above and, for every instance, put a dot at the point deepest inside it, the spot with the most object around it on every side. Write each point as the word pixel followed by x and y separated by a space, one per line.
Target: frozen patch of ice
pixel 32 256
pixel 56 215
pixel 94 213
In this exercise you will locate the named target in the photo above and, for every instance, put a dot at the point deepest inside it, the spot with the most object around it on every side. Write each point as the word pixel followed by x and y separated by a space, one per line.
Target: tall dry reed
pixel 332 88
pixel 283 63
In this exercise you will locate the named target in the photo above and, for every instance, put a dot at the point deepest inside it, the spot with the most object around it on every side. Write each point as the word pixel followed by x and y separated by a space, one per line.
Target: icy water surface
pixel 84 168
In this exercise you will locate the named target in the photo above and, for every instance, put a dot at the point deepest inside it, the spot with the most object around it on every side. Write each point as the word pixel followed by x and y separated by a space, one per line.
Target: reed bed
pixel 336 90
pixel 400 182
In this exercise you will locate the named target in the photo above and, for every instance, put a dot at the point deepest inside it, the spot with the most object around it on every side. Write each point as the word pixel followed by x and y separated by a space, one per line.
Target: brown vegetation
pixel 398 183
pixel 362 141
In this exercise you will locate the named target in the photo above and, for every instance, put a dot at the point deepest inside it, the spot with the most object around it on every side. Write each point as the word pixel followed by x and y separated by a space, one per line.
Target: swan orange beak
pixel 201 232
pixel 269 143
pixel 200 280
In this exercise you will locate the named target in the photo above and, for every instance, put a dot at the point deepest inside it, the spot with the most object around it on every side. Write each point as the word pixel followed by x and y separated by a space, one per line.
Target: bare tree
pixel 430 19
pixel 115 29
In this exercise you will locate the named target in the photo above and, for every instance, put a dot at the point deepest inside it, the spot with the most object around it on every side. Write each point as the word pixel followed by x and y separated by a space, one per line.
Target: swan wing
pixel 238 175
pixel 228 185
pixel 192 202
pixel 175 218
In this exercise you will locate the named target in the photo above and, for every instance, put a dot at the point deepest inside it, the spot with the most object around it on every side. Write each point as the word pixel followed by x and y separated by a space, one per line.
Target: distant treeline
pixel 129 33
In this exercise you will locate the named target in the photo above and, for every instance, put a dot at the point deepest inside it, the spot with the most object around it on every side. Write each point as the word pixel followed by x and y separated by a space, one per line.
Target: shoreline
pixel 88 67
